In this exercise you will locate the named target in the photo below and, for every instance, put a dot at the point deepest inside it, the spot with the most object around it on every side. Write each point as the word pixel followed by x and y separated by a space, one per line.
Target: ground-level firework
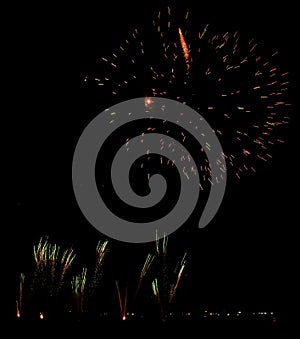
pixel 166 282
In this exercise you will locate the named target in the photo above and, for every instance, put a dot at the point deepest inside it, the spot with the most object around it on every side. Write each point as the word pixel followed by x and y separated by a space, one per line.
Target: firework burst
pixel 231 79
pixel 234 82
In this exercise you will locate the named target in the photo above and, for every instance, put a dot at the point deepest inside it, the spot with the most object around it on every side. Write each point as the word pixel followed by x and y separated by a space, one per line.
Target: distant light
pixel 41 315
pixel 18 314
pixel 124 317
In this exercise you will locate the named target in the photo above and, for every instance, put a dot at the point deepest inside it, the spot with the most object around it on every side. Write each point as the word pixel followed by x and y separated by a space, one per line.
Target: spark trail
pixel 185 50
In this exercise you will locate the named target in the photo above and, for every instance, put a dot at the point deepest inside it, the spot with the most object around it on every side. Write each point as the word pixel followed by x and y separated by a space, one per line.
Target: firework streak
pixel 85 284
pixel 78 288
pixel 101 250
pixel 20 301
pixel 122 301
pixel 148 261
pixel 166 284
pixel 185 50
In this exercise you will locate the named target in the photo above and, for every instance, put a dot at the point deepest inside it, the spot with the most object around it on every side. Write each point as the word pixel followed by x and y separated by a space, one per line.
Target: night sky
pixel 243 259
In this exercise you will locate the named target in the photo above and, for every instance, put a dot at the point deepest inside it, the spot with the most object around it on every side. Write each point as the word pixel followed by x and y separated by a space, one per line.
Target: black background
pixel 245 258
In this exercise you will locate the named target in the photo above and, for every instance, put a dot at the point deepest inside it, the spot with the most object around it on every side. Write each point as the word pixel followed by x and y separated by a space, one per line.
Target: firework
pixel 234 82
pixel 178 274
pixel 185 50
pixel 122 300
pixel 165 285
pixel 78 288
pixel 51 264
pixel 127 297
pixel 127 53
pixel 156 293
pixel 148 261
pixel 101 250
pixel 19 303
pixel 85 284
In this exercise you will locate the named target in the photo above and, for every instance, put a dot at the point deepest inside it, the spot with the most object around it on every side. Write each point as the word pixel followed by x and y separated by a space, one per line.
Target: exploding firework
pixel 235 85
pixel 233 81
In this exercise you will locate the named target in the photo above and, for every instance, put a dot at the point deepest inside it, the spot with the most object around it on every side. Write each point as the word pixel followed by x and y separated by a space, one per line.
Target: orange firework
pixel 122 301
pixel 185 49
